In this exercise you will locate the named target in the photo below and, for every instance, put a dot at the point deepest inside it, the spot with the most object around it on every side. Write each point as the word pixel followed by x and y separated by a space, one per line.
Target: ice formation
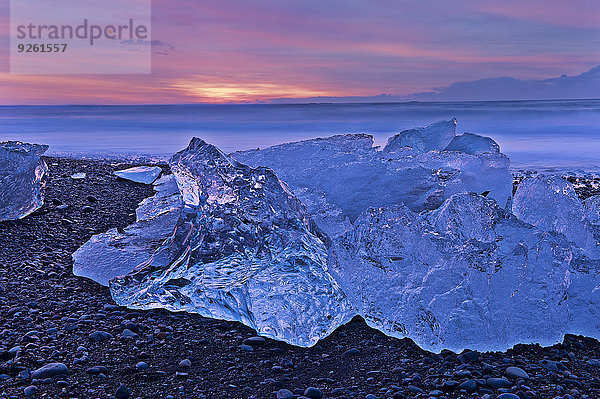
pixel 346 174
pixel 112 254
pixel 550 203
pixel 22 179
pixel 472 144
pixel 341 176
pixel 433 137
pixel 592 209
pixel 420 242
pixel 140 174
pixel 244 249
pixel 467 275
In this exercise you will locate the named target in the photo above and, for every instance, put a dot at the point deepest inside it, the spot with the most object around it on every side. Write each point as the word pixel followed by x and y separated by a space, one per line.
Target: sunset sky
pixel 225 50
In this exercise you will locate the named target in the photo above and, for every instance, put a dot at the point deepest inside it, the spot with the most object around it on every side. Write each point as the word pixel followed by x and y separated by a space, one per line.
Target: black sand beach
pixel 55 317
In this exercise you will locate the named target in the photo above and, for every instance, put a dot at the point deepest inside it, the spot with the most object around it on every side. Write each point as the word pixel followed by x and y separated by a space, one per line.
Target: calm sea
pixel 534 134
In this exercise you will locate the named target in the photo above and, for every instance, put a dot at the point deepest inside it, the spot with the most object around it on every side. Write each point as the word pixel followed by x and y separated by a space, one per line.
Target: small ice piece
pixel 592 209
pixel 78 176
pixel 244 249
pixel 550 203
pixel 140 174
pixel 473 144
pixel 22 179
pixel 467 275
pixel 112 254
pixel 436 136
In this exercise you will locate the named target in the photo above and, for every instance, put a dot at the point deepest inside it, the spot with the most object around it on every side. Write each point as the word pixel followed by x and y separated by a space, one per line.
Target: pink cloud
pixel 239 50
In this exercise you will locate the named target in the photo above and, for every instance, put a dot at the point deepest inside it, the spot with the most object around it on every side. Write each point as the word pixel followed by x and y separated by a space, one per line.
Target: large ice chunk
pixel 467 275
pixel 22 179
pixel 551 203
pixel 346 172
pixel 140 174
pixel 471 143
pixel 244 249
pixel 112 254
pixel 436 136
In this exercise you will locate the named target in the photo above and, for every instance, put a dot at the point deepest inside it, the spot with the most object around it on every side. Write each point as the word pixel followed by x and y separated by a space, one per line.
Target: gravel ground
pixel 63 337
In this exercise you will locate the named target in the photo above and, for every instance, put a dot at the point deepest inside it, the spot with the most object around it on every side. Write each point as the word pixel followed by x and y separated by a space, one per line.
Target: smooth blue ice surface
pixel 140 174
pixel 22 179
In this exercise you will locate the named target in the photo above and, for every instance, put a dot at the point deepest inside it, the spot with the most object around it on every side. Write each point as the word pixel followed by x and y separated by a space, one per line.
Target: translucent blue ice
pixel 22 179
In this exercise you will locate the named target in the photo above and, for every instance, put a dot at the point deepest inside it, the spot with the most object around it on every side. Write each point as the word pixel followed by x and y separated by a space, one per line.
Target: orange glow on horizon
pixel 225 92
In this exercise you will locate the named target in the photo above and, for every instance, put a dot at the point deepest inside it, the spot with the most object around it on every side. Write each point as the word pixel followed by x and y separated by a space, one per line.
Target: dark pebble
pixel 30 391
pixel 469 357
pixel 496 383
pixel 285 394
pixel 99 336
pixel 313 393
pixel 469 385
pixel 50 371
pixel 123 392
pixel 351 352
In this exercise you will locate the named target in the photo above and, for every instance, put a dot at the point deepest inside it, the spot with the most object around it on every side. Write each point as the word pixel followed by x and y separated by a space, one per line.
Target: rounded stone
pixel 50 370
pixel 127 333
pixel 508 396
pixel 253 341
pixel 516 373
pixel 313 393
pixel 141 366
pixel 30 391
pixel 99 336
pixel 469 385
pixel 285 394
pixel 246 348
pixel 496 383
pixel 351 352
pixel 123 392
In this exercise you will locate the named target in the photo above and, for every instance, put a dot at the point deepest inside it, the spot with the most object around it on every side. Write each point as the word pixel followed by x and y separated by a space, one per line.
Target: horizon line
pixel 300 103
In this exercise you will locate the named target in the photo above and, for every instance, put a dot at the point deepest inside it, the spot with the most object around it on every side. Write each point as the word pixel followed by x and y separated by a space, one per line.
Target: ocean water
pixel 534 134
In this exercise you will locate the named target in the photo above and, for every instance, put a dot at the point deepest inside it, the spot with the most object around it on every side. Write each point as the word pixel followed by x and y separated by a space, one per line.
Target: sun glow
pixel 224 92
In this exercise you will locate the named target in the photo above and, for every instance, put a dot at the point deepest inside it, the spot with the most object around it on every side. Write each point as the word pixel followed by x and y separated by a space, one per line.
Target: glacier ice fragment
pixel 436 136
pixel 347 173
pixel 467 275
pixel 112 254
pixel 22 179
pixel 472 144
pixel 140 174
pixel 78 176
pixel 244 249
pixel 550 203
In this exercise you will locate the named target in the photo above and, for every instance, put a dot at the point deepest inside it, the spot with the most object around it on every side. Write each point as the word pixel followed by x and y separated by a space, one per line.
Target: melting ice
pixel 22 179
